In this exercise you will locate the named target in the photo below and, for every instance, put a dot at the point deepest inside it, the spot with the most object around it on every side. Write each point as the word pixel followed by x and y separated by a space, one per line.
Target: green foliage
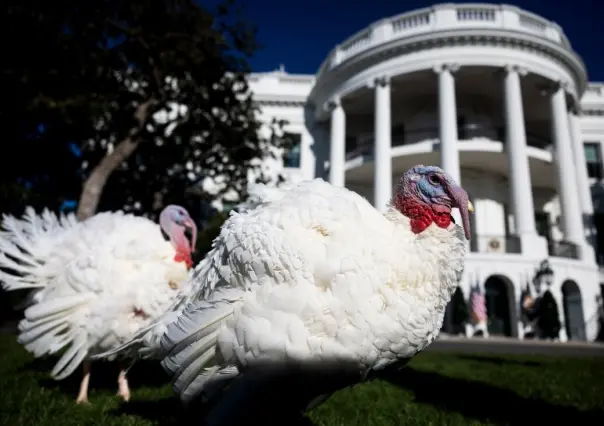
pixel 85 70
pixel 435 389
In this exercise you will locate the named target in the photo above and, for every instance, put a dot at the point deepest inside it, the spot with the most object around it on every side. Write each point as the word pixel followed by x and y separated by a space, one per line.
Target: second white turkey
pixel 94 283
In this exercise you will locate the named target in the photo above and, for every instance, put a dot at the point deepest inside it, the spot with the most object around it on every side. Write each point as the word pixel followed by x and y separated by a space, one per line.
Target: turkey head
pixel 176 222
pixel 427 194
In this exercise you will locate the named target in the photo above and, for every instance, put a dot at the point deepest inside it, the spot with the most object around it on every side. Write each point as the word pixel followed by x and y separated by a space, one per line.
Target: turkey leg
pixel 83 394
pixel 122 383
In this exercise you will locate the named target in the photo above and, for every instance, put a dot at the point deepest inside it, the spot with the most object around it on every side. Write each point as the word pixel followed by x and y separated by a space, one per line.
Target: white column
pixel 449 156
pixel 567 181
pixel 521 194
pixel 307 155
pixel 587 208
pixel 309 144
pixel 337 152
pixel 580 165
pixel 382 165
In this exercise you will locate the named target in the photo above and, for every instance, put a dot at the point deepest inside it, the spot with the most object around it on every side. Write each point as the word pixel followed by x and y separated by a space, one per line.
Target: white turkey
pixel 95 282
pixel 315 276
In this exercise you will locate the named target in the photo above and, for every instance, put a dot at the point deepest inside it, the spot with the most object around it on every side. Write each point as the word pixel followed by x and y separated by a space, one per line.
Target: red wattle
pixel 184 257
pixel 422 215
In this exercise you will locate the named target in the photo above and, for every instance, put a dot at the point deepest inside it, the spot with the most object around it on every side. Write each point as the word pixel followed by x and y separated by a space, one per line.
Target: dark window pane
pixel 291 158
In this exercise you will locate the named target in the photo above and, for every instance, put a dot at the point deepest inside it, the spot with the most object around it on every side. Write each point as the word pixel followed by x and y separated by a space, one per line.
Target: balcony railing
pixel 496 244
pixel 563 249
pixel 465 132
pixel 444 18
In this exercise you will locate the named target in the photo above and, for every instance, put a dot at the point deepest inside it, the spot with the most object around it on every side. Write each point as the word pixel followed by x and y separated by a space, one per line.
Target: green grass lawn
pixel 435 389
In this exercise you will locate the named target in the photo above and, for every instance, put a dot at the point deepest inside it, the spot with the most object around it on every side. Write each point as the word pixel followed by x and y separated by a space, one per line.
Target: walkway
pixel 503 346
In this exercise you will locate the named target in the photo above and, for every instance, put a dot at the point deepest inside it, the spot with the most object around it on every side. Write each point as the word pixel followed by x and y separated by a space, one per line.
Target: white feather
pixel 259 194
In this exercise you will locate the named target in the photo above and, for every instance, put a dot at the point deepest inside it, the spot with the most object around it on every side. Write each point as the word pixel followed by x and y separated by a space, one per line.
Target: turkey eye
pixel 434 179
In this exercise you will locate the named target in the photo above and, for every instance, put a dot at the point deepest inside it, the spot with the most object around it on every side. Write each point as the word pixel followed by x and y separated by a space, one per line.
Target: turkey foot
pixel 83 394
pixel 123 388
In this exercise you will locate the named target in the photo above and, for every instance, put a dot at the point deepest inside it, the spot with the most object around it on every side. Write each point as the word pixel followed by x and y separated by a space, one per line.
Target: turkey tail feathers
pixel 24 244
pixel 46 329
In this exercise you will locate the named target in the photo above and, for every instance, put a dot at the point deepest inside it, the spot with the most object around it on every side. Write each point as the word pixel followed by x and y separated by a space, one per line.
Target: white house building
pixel 497 97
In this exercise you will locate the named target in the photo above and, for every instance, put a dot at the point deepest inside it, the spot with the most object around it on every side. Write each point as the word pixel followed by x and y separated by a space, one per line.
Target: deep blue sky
pixel 300 33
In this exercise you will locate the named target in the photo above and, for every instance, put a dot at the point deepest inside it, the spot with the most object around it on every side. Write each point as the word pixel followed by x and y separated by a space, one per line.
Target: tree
pixel 151 95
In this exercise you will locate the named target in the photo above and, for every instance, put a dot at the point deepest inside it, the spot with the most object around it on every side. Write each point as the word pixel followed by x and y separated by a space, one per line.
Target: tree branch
pixel 94 184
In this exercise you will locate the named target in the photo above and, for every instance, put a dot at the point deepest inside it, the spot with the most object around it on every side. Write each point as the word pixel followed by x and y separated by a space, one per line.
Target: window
pixel 593 159
pixel 599 224
pixel 462 128
pixel 352 143
pixel 398 130
pixel 542 223
pixel 292 157
pixel 398 134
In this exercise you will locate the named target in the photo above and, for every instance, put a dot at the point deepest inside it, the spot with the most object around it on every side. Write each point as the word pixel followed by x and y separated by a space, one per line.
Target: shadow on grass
pixel 103 375
pixel 163 412
pixel 499 361
pixel 484 402
pixel 170 411
pixel 268 395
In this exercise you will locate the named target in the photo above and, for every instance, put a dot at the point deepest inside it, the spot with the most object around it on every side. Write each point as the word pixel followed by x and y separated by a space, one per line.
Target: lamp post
pixel 543 278
pixel 547 309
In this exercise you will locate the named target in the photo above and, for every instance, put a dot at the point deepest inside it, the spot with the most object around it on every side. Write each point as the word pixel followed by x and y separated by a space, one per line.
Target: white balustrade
pixel 444 17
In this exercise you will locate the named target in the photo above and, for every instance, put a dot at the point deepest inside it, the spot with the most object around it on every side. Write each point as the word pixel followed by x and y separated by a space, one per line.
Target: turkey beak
pixel 190 226
pixel 462 202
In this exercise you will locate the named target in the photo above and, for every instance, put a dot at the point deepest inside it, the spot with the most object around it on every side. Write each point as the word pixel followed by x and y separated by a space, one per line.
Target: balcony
pixel 511 244
pixel 465 132
pixel 564 249
pixel 445 17
pixel 496 244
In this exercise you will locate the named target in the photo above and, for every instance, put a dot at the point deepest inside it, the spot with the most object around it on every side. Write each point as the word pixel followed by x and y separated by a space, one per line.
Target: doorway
pixel 497 295
pixel 573 311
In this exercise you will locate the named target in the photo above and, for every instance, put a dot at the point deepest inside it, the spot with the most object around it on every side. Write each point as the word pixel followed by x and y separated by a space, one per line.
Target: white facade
pixel 283 96
pixel 497 97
